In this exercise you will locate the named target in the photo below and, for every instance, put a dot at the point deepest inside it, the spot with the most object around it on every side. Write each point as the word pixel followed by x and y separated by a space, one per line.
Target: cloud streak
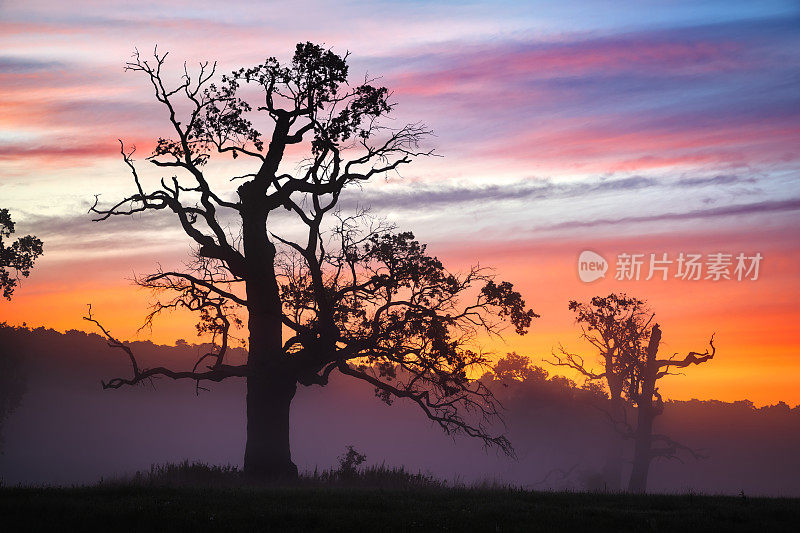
pixel 756 208
pixel 419 196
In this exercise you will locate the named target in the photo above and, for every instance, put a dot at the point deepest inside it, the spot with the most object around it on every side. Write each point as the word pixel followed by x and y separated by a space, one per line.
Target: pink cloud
pixel 607 144
pixel 464 69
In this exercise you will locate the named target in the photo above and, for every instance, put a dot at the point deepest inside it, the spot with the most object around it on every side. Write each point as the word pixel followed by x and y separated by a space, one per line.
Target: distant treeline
pixel 60 427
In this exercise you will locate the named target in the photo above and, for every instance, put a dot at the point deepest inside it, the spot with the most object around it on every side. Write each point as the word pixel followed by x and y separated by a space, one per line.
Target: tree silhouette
pixel 16 258
pixel 620 328
pixel 646 370
pixel 321 291
pixel 610 324
pixel 514 367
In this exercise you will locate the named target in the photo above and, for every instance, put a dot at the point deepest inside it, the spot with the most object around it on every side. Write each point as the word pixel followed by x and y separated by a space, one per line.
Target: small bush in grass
pixel 350 461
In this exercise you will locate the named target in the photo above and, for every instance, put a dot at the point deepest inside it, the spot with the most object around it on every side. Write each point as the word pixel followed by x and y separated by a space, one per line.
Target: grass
pixel 199 497
pixel 355 509
pixel 202 475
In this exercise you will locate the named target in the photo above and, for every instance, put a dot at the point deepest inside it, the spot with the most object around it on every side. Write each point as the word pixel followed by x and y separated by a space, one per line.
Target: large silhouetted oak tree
pixel 321 291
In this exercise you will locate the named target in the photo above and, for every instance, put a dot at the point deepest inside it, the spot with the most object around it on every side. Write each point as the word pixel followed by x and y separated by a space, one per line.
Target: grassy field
pixel 201 497
pixel 143 508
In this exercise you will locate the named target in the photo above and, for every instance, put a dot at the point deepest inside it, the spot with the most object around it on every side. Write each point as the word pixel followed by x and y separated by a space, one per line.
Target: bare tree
pixel 611 324
pixel 622 330
pixel 646 370
pixel 321 291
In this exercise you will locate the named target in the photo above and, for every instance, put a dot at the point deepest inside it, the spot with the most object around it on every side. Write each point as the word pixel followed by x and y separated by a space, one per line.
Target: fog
pixel 67 430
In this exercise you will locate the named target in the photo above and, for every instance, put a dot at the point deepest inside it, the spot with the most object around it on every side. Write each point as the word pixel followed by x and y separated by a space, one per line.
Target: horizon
pixel 667 128
pixel 551 424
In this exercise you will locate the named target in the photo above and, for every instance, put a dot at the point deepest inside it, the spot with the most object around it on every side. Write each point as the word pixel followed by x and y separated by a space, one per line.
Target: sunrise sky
pixel 617 127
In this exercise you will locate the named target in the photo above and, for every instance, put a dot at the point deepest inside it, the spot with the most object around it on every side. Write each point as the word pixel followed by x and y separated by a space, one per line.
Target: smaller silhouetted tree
pixel 611 324
pixel 16 258
pixel 642 383
pixel 620 328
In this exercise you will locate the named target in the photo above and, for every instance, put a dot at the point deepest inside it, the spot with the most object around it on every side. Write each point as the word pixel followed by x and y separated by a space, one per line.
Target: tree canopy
pixel 17 257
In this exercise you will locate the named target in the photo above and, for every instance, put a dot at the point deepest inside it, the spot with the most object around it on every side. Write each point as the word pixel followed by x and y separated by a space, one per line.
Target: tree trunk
pixel 646 414
pixel 270 383
pixel 270 389
pixel 614 462
pixel 267 453
pixel 642 453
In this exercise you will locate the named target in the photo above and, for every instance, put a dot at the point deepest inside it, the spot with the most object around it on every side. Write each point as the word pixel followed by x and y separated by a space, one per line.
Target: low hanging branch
pixel 217 371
